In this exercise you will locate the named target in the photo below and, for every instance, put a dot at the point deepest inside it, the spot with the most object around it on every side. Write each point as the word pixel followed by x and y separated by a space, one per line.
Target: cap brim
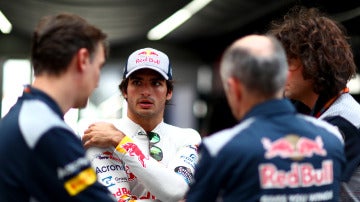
pixel 148 67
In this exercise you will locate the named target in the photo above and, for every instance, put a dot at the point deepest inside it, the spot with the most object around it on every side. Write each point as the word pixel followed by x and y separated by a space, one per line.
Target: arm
pixel 162 182
pixel 110 171
pixel 100 139
pixel 183 163
pixel 204 187
pixel 165 183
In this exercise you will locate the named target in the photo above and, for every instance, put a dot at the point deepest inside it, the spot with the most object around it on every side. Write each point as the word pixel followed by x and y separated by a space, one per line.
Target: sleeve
pixel 162 182
pixel 205 187
pixel 351 137
pixel 110 172
pixel 62 170
pixel 184 162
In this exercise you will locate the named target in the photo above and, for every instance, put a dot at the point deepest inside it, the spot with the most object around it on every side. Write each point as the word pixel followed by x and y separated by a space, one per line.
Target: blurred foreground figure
pixel 273 153
pixel 42 159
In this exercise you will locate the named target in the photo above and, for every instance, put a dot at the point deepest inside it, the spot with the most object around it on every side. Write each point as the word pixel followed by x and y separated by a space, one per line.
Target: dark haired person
pixel 320 65
pixel 159 158
pixel 42 159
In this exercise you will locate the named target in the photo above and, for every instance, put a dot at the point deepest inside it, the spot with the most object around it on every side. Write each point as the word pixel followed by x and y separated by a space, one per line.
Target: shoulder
pixel 349 131
pixel 187 131
pixel 36 118
pixel 182 134
pixel 340 122
pixel 347 107
pixel 217 141
pixel 324 125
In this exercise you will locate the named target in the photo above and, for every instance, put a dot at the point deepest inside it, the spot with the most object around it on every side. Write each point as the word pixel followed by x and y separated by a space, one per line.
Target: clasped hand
pixel 102 134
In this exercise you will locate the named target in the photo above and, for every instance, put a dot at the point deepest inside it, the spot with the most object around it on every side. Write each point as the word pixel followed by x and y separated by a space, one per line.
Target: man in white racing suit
pixel 140 157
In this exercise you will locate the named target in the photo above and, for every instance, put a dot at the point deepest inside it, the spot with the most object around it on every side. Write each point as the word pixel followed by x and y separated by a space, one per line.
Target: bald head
pixel 255 44
pixel 258 61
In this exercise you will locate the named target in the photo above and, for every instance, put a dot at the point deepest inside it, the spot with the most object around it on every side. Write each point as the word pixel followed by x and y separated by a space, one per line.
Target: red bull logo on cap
pixel 293 146
pixel 147 56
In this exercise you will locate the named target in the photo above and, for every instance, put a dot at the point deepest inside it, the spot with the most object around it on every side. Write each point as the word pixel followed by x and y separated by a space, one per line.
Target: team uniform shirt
pixel 345 114
pixel 273 154
pixel 148 179
pixel 42 159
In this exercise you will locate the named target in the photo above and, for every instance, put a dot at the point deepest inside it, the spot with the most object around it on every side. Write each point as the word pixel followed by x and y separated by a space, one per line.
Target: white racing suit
pixel 131 174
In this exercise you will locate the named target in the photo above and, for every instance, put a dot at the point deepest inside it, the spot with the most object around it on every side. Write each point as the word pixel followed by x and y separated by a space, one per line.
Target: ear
pixel 169 95
pixel 234 87
pixel 83 59
pixel 124 94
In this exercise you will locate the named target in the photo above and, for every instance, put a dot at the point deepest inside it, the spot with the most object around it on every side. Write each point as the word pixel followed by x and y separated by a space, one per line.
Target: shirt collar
pixel 134 129
pixel 271 108
pixel 34 93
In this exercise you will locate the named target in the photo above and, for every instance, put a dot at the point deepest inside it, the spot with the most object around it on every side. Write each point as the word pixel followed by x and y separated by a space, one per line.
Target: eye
pixel 156 83
pixel 136 82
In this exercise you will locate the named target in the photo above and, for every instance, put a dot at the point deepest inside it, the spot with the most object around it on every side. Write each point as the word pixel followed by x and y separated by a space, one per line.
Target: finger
pixel 85 138
pixel 86 144
pixel 91 125
pixel 87 131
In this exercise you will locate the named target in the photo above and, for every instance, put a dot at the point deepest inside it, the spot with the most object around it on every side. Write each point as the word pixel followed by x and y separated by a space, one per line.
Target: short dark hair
pixel 57 39
pixel 321 45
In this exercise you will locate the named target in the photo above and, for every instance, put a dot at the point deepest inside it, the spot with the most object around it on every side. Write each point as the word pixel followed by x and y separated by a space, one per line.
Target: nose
pixel 146 90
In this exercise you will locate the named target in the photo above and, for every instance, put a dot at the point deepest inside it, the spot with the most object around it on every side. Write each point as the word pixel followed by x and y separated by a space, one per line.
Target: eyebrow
pixel 157 78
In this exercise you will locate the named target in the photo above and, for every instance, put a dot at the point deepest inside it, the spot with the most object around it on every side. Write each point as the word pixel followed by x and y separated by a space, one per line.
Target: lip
pixel 145 103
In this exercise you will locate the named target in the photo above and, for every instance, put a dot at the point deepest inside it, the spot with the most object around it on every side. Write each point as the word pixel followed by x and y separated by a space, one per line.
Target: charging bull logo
pixel 148 52
pixel 293 146
pixel 133 150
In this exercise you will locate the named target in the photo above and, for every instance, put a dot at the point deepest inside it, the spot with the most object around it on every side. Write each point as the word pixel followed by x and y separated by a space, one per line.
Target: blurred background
pixel 193 33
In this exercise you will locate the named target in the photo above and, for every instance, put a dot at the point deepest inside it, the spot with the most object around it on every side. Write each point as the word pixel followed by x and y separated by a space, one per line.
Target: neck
pixel 147 123
pixel 252 100
pixel 310 99
pixel 55 89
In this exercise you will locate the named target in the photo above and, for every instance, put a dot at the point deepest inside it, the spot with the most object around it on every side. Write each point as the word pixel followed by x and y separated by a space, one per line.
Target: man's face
pixel 146 94
pixel 296 87
pixel 91 75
